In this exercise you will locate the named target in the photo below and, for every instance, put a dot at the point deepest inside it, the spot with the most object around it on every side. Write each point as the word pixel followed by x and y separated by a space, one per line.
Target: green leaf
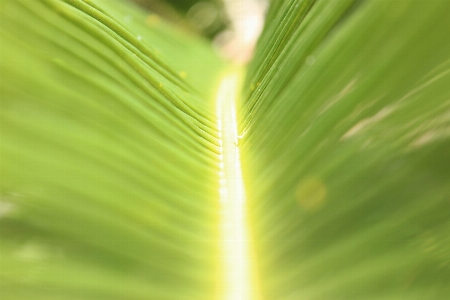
pixel 346 133
pixel 109 155
pixel 117 154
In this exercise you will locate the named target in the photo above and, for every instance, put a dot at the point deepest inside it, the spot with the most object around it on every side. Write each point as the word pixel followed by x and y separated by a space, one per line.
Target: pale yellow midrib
pixel 237 279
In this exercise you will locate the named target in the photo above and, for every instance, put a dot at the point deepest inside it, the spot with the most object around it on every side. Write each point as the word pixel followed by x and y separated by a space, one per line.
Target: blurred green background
pixel 207 18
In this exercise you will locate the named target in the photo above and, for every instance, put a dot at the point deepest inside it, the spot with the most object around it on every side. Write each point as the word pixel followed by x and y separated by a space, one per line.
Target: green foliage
pixel 346 135
pixel 109 152
pixel 109 157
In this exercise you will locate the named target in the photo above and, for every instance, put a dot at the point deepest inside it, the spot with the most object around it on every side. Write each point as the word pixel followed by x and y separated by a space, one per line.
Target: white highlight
pixel 247 20
pixel 5 208
pixel 236 263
